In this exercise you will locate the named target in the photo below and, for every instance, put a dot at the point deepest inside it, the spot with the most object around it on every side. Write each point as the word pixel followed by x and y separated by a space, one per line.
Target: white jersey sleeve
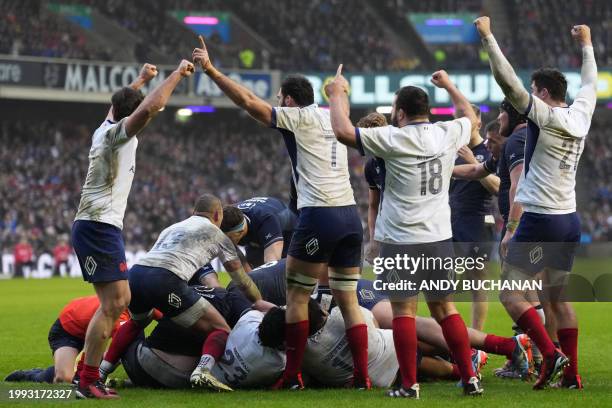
pixel 319 162
pixel 185 247
pixel 112 164
pixel 246 363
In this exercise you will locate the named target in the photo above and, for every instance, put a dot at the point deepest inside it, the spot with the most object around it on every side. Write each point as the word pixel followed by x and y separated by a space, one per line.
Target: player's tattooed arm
pixel 339 108
pixel 259 109
pixel 147 73
pixel 157 99
pixel 242 280
pixel 503 72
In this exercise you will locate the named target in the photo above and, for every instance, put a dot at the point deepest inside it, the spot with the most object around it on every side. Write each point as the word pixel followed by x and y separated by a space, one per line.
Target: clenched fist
pixel 582 34
pixel 185 68
pixel 483 25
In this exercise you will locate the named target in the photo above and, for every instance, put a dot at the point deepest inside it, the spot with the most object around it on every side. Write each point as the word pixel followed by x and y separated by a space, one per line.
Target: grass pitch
pixel 29 307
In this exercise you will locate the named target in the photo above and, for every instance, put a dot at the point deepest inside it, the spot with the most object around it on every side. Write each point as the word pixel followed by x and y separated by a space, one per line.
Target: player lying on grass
pixel 270 279
pixel 67 339
pixel 159 280
pixel 168 356
pixel 550 225
pixel 328 237
pixel 328 362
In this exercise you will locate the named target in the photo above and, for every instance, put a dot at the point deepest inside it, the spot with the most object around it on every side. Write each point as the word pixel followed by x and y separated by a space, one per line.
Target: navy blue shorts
pixel 100 250
pixel 544 241
pixel 332 235
pixel 160 289
pixel 367 296
pixel 58 337
pixel 472 237
pixel 432 275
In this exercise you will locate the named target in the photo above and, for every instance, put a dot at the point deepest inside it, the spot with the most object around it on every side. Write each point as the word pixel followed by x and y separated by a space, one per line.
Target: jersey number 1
pixel 434 181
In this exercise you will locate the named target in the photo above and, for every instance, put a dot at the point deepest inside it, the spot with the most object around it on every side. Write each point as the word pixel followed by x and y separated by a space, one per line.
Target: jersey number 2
pixel 433 181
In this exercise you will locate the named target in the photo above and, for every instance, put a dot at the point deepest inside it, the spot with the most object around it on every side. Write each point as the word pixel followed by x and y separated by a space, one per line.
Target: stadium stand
pixel 28 28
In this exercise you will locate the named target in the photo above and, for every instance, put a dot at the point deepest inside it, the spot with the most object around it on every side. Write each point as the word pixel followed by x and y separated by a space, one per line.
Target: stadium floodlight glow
pixel 201 20
pixel 201 108
pixel 609 105
pixel 184 112
pixel 443 22
pixel 385 110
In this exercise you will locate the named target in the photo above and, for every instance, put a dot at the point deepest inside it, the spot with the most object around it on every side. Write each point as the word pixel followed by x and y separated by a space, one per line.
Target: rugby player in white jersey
pixel 414 220
pixel 159 281
pixel 328 235
pixel 555 140
pixel 96 232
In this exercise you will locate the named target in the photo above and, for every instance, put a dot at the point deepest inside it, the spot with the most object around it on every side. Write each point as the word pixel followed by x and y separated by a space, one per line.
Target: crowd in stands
pixel 28 28
pixel 43 164
pixel 314 35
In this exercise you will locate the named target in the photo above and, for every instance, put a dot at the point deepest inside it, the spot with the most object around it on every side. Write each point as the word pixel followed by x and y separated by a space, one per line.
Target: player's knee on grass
pixel 63 375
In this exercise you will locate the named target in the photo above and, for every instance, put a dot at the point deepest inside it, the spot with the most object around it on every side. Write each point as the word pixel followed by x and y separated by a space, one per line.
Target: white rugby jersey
pixel 112 163
pixel 319 161
pixel 329 360
pixel 419 160
pixel 555 141
pixel 186 246
pixel 246 363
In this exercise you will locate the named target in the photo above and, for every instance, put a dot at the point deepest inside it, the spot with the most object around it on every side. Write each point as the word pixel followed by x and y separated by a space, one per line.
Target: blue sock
pixel 45 375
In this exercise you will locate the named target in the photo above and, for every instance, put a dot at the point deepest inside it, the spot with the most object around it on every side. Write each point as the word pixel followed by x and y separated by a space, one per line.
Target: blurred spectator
pixel 24 258
pixel 61 252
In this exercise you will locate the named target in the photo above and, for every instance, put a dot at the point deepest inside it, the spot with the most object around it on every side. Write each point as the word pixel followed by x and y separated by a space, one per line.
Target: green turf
pixel 29 307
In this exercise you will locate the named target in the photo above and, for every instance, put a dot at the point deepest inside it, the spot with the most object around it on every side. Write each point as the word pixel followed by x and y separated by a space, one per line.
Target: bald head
pixel 208 205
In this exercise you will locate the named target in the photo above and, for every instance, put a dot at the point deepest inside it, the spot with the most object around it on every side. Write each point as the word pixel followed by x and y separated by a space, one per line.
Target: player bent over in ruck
pixel 415 216
pixel 328 235
pixel 159 280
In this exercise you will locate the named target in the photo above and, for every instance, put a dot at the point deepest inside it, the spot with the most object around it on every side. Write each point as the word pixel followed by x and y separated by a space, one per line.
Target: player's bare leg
pixel 63 360
pixel 301 280
pixel 480 304
pixel 114 298
pixel 405 341
pixel 456 336
pixel 217 330
pixel 343 284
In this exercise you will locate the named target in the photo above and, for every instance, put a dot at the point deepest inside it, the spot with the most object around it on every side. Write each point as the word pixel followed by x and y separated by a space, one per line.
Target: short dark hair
pixel 206 203
pixel 232 216
pixel 299 88
pixel 492 127
pixel 551 79
pixel 371 120
pixel 413 101
pixel 272 327
pixel 125 101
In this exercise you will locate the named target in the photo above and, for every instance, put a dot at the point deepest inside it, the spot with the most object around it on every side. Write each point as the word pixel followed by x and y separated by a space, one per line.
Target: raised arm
pixel 259 109
pixel 156 99
pixel 463 108
pixel 503 72
pixel 588 73
pixel 147 73
pixel 339 108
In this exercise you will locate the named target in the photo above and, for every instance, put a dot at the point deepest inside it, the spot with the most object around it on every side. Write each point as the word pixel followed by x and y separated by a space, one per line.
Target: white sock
pixel 207 362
